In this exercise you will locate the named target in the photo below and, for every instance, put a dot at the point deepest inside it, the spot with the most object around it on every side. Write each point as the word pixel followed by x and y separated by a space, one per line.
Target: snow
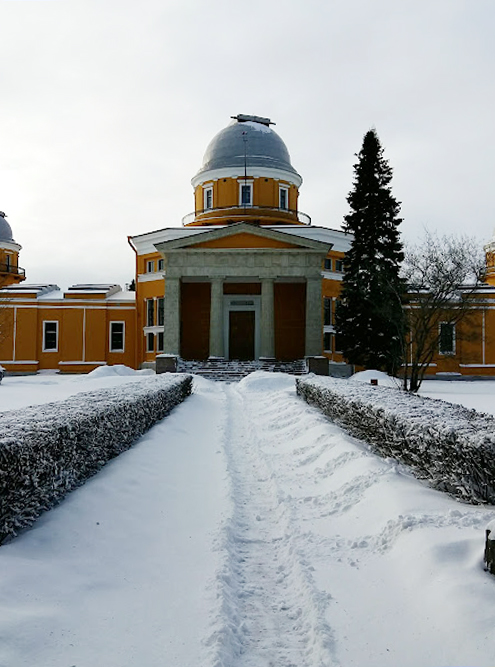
pixel 246 530
pixel 260 127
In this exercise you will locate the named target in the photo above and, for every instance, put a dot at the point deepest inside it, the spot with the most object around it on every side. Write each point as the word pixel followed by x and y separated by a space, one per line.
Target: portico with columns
pixel 248 292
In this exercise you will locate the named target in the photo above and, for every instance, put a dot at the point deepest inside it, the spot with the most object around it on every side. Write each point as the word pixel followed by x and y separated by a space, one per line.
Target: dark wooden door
pixel 241 335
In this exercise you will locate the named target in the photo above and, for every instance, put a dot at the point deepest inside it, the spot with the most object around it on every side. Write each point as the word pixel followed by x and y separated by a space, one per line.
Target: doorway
pixel 241 334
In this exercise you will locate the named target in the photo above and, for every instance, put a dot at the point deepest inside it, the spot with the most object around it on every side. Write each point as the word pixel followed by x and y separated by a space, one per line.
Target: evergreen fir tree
pixel 370 318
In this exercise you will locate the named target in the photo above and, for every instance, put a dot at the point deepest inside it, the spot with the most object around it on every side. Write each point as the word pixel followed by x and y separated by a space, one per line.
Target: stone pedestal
pixel 166 363
pixel 318 365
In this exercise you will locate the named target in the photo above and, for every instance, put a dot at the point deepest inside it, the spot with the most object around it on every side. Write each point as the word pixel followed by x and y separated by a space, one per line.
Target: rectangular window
pixel 50 336
pixel 161 264
pixel 339 265
pixel 161 311
pixel 328 265
pixel 327 311
pixel 246 195
pixel 338 342
pixel 150 266
pixel 208 198
pixel 150 342
pixel 159 342
pixel 283 198
pixel 117 330
pixel 327 341
pixel 150 312
pixel 447 338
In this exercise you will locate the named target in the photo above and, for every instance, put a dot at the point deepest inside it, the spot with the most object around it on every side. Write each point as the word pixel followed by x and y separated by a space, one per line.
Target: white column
pixel 267 319
pixel 314 320
pixel 171 332
pixel 216 318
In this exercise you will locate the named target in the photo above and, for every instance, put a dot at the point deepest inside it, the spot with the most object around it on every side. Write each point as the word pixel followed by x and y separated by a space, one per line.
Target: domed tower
pixel 246 176
pixel 10 271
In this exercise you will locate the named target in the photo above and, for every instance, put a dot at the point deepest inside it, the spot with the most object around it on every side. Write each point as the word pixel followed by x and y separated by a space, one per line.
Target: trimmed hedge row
pixel 47 450
pixel 450 446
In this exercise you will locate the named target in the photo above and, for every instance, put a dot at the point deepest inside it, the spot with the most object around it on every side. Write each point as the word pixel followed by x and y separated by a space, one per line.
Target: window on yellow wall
pixel 328 264
pixel 150 266
pixel 159 342
pixel 150 312
pixel 117 336
pixel 446 338
pixel 161 311
pixel 208 198
pixel 246 195
pixel 150 342
pixel 327 311
pixel 339 265
pixel 327 341
pixel 50 336
pixel 283 196
pixel 161 264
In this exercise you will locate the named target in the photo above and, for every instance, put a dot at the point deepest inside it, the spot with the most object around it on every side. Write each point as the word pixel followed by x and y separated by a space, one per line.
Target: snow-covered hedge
pixel 450 446
pixel 47 450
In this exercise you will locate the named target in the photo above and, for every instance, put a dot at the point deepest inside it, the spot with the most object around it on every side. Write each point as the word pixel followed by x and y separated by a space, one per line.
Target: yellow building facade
pixel 246 277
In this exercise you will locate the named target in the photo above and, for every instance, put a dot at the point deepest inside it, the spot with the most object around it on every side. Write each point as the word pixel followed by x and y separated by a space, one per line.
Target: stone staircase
pixel 233 371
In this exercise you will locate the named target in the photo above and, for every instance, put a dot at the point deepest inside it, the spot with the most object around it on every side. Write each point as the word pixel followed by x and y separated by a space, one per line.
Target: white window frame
pixel 148 335
pixel 110 336
pixel 329 300
pixel 283 188
pixel 448 353
pixel 150 266
pixel 147 302
pixel 207 190
pixel 161 265
pixel 249 184
pixel 160 300
pixel 160 348
pixel 341 270
pixel 50 349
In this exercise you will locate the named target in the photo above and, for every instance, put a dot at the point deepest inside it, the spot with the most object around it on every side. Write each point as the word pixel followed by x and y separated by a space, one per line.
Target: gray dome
pixel 252 135
pixel 5 229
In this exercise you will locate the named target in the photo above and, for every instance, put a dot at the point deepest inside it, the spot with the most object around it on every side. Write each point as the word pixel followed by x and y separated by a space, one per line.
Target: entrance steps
pixel 233 371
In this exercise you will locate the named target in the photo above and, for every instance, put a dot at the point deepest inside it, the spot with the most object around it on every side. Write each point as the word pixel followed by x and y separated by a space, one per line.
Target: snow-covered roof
pixel 145 243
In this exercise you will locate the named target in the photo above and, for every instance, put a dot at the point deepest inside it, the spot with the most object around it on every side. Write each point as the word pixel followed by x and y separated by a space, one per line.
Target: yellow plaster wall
pixel 244 240
pixel 265 193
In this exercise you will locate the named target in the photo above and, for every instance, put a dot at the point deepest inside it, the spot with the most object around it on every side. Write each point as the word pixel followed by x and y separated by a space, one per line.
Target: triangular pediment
pixel 241 236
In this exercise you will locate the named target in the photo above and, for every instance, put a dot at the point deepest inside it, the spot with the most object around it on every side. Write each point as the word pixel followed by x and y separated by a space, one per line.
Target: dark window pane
pixel 246 194
pixel 150 318
pixel 116 336
pixel 446 338
pixel 327 311
pixel 161 312
pixel 50 336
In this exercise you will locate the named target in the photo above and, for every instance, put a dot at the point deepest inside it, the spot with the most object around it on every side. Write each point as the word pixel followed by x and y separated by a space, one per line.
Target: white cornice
pixel 252 172
pixel 10 245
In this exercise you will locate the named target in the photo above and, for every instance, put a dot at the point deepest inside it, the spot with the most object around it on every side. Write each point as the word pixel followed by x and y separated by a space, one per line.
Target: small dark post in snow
pixel 374 382
pixel 489 556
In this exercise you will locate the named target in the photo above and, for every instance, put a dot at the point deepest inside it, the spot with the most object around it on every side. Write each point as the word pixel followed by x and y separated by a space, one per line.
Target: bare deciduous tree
pixel 442 276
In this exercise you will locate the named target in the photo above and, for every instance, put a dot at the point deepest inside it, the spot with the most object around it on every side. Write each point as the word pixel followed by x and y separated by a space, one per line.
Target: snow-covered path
pixel 246 530
pixel 277 611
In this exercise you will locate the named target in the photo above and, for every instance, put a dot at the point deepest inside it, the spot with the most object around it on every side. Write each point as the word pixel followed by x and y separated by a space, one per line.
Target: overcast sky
pixel 107 107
